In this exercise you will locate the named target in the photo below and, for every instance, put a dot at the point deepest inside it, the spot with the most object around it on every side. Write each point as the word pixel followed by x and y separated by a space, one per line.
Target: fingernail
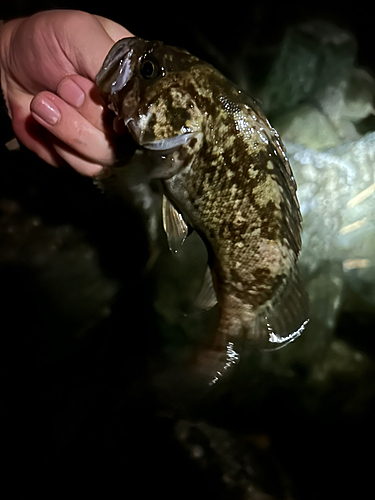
pixel 71 93
pixel 46 110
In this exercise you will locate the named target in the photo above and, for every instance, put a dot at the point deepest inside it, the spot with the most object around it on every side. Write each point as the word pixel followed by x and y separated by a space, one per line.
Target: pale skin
pixel 48 64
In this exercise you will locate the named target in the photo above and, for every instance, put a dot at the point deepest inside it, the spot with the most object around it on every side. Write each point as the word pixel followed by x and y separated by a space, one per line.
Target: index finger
pixel 84 95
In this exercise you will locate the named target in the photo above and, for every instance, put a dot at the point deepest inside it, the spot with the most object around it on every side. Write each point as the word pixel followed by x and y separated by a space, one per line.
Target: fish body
pixel 225 174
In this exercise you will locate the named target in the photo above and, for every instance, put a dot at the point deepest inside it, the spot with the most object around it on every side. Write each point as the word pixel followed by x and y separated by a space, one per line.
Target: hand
pixel 48 65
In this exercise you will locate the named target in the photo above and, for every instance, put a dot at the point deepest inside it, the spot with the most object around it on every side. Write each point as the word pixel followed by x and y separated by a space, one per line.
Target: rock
pixel 314 92
pixel 318 98
pixel 336 192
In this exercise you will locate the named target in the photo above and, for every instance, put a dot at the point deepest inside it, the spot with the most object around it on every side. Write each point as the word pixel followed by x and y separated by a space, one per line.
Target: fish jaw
pixel 169 143
pixel 117 68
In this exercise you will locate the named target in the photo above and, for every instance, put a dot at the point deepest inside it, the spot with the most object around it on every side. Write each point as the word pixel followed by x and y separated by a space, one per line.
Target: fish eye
pixel 149 69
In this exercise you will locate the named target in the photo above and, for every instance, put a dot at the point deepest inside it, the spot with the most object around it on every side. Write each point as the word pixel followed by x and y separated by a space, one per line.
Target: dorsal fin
pixel 285 317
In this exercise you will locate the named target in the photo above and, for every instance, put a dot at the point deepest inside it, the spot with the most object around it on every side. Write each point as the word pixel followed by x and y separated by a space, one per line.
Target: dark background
pixel 81 414
pixel 227 26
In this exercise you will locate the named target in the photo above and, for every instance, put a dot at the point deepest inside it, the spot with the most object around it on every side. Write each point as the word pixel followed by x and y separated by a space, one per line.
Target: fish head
pixel 148 85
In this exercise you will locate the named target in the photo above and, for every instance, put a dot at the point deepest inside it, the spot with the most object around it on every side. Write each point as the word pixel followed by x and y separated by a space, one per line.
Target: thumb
pixel 114 30
pixel 88 39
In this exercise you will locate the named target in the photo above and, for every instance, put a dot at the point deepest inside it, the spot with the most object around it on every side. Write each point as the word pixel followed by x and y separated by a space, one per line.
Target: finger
pixel 42 142
pixel 66 124
pixel 84 95
pixel 80 164
pixel 29 132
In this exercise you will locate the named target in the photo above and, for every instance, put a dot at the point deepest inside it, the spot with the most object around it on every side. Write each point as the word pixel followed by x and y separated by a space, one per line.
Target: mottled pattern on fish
pixel 240 186
pixel 225 170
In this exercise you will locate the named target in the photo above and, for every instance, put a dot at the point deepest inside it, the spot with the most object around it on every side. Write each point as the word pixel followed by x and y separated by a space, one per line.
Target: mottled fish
pixel 225 174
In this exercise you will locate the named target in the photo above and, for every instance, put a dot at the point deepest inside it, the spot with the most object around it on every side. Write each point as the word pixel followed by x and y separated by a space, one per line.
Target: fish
pixel 225 174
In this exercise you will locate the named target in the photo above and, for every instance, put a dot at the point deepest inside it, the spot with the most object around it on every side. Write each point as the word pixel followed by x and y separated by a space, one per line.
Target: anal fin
pixel 207 297
pixel 174 225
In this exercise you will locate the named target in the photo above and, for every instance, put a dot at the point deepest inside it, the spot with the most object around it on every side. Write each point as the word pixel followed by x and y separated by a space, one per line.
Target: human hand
pixel 48 65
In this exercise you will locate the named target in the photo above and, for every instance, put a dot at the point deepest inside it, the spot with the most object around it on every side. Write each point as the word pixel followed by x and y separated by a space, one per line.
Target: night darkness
pixel 78 411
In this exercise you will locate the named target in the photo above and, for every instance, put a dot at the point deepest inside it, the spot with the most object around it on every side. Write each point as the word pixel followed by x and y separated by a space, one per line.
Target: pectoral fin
pixel 207 297
pixel 174 225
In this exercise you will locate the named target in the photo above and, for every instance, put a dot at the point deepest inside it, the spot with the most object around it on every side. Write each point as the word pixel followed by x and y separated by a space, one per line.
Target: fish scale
pixel 225 174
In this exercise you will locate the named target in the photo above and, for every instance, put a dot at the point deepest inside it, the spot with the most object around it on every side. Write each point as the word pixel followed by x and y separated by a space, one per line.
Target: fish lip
pixel 169 143
pixel 119 56
pixel 163 144
pixel 133 128
pixel 124 74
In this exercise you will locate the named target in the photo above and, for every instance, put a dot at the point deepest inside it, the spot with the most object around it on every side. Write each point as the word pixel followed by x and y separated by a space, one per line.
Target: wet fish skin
pixel 225 170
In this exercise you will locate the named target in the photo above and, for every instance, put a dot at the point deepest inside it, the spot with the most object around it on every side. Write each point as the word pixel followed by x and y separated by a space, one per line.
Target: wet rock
pixel 314 92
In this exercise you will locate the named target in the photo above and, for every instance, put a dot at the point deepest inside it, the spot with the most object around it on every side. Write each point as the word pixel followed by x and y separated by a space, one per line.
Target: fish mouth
pixel 169 143
pixel 117 67
pixel 166 144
